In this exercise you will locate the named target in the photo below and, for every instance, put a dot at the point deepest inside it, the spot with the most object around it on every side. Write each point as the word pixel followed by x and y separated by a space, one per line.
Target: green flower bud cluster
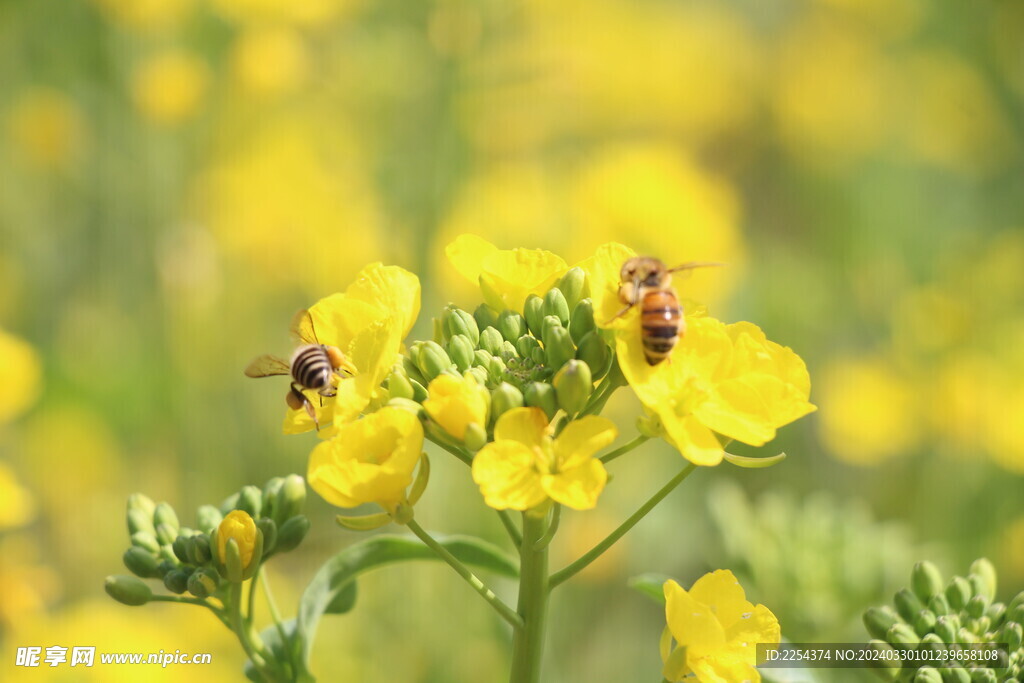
pixel 951 616
pixel 549 356
pixel 185 558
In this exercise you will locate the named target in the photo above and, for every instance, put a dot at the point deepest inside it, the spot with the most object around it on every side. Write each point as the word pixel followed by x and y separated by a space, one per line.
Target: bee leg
pixel 297 397
pixel 329 392
pixel 620 313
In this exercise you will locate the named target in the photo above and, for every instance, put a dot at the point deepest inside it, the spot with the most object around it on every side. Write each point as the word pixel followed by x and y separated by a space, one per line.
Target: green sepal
pixel 926 580
pixel 399 386
pixel 292 532
pixel 177 580
pixel 250 500
pixel 558 347
pixel 419 484
pixel 459 322
pixel 595 352
pixel 504 398
pixel 364 522
pixel 268 528
pixel 753 463
pixel 651 584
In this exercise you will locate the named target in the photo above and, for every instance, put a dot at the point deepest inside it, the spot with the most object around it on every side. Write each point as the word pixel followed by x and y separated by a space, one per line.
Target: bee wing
pixel 302 328
pixel 690 265
pixel 266 366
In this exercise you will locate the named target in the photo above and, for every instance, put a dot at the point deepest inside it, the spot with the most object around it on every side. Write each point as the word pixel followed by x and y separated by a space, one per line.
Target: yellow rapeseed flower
pixel 241 528
pixel 506 276
pixel 20 374
pixel 525 465
pixel 368 322
pixel 168 88
pixel 17 506
pixel 716 630
pixel 457 403
pixel 368 461
pixel 270 61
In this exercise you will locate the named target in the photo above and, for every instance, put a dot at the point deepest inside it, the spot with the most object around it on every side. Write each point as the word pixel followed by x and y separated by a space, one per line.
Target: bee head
pixel 646 270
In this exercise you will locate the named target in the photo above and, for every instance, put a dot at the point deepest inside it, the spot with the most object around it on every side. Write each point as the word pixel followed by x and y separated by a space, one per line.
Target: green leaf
pixel 332 591
pixel 650 585
pixel 754 463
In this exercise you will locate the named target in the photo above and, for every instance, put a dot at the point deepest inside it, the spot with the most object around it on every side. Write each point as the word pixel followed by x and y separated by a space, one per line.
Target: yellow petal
pixel 697 443
pixel 524 425
pixel 693 625
pixel 758 625
pixel 723 594
pixel 581 439
pixel 299 422
pixel 603 270
pixel 391 289
pixel 373 352
pixel 724 668
pixel 506 473
pixel 337 319
pixel 737 410
pixel 455 403
pixel 508 277
pixel 579 487
pixel 467 254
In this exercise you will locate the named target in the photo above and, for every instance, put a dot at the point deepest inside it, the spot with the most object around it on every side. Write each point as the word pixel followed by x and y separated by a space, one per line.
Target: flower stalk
pixel 534 591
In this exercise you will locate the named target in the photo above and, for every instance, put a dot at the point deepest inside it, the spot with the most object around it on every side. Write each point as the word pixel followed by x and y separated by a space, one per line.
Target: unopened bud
pixel 995 613
pixel 432 360
pixel 907 604
pixel 485 317
pixel 939 604
pixel 460 350
pixel 573 386
pixel 926 580
pixel 533 311
pixel 901 634
pixel 538 356
pixel 925 622
pixel 459 322
pixel 479 374
pixel 976 606
pixel 166 567
pixel 541 395
pixel 958 592
pixel 947 628
pixel 177 580
pixel 983 568
pixel 180 548
pixel 556 305
pixel 270 497
pixel 291 533
pixel 558 347
pixel 292 497
pixel 140 514
pixel 147 541
pixel 887 663
pixel 481 358
pixel 878 620
pixel 505 398
pixel 198 548
pixel 203 582
pixel 955 674
pixel 581 322
pixel 508 351
pixel 410 368
pixel 511 325
pixel 595 352
pixel 269 529
pixel 491 341
pixel 164 514
pixel 140 562
pixel 526 344
pixel 407 405
pixel 128 590
pixel 475 437
pixel 496 369
pixel 1012 634
pixel 166 534
pixel 983 675
pixel 571 285
pixel 399 386
pixel 927 674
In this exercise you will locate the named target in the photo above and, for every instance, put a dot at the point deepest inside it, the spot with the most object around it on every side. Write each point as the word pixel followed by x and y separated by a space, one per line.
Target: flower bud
pixel 986 571
pixel 140 514
pixel 292 497
pixel 198 548
pixel 459 322
pixel 460 349
pixel 573 386
pixel 907 604
pixel 878 620
pixel 511 325
pixel 180 548
pixel 439 334
pixel 270 491
pixel 147 541
pixel 291 533
pixel 166 534
pixel 526 344
pixel 1016 614
pixel 556 305
pixel 887 664
pixel 958 592
pixel 409 366
pixel 177 580
pixel 955 674
pixel 128 590
pixel 982 675
pixel 924 622
pixel 485 317
pixel 581 321
pixel 504 398
pixel 1018 599
pixel 481 358
pixel 406 404
pixel 1012 634
pixel 491 341
pixel 650 426
pixel 496 369
pixel 533 311
pixel 572 285
pixel 399 386
pixel 926 580
pixel 595 352
pixel 140 562
pixel 250 500
pixel 475 437
pixel 419 391
pixel 541 395
pixel 268 528
pixel 927 674
pixel 166 567
pixel 901 634
pixel 237 529
pixel 995 613
pixel 479 374
pixel 558 347
pixel 939 604
pixel 947 628
pixel 164 514
pixel 976 606
pixel 508 351
pixel 203 582
pixel 538 356
pixel 432 360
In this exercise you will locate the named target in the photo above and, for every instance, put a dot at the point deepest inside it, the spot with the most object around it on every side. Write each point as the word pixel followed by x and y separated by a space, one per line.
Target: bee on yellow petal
pixel 313 366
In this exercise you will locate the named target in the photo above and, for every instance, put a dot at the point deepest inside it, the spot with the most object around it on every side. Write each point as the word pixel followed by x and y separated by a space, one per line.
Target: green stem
pixel 217 612
pixel 568 572
pixel 545 540
pixel 510 527
pixel 276 616
pixel 243 632
pixel 625 448
pixel 459 453
pixel 612 381
pixel 506 612
pixel 528 642
pixel 250 607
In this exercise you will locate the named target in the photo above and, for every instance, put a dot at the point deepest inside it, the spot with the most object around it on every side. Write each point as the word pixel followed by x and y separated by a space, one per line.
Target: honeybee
pixel 646 281
pixel 313 366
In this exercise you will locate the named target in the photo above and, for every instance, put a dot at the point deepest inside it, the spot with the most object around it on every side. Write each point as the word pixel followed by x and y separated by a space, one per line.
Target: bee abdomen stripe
pixel 311 368
pixel 671 310
pixel 661 331
pixel 659 345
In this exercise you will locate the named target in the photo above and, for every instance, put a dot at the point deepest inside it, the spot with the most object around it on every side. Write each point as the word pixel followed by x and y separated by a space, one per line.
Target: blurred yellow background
pixel 177 177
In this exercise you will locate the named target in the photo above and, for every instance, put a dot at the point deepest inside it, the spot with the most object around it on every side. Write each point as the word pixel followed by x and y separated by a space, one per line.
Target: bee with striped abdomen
pixel 313 366
pixel 646 281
